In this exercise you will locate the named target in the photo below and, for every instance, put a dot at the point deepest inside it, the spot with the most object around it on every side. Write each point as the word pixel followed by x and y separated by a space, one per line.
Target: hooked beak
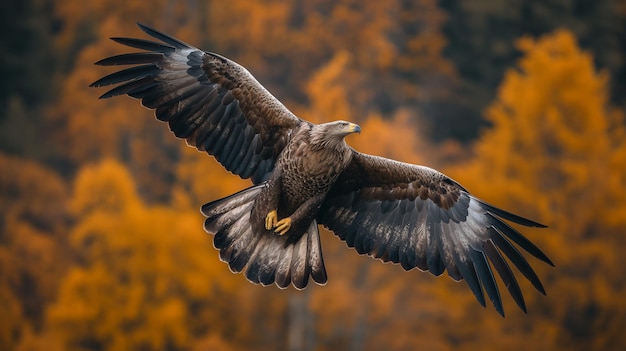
pixel 354 128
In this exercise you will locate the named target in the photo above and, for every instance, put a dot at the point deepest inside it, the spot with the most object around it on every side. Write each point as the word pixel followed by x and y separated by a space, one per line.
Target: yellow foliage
pixel 288 43
pixel 328 97
pixel 32 213
pixel 556 154
pixel 106 187
pixel 87 129
pixel 200 179
pixel 553 117
pixel 397 138
pixel 144 266
pixel 147 277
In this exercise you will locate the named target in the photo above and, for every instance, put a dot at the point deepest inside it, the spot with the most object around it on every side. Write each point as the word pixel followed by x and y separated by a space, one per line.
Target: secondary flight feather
pixel 304 175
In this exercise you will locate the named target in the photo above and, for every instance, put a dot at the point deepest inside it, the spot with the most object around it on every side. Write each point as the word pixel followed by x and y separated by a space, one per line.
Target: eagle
pixel 305 175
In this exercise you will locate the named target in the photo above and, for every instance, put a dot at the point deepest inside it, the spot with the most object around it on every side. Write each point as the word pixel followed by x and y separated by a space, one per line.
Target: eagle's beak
pixel 354 128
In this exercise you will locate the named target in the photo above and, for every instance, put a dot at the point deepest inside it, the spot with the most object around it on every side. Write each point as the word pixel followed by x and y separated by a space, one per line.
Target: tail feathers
pixel 229 208
pixel 265 256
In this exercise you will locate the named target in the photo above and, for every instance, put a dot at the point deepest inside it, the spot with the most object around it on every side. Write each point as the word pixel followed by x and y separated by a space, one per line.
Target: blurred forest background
pixel 101 240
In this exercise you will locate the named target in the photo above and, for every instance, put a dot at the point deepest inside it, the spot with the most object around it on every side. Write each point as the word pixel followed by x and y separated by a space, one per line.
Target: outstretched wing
pixel 418 217
pixel 212 102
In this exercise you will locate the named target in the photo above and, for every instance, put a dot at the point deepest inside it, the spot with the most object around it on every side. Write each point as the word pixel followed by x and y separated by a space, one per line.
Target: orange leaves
pixel 30 190
pixel 106 187
pixel 391 51
pixel 553 117
pixel 398 138
pixel 86 129
pixel 142 268
pixel 32 224
pixel 144 275
pixel 201 178
pixel 328 96
pixel 555 147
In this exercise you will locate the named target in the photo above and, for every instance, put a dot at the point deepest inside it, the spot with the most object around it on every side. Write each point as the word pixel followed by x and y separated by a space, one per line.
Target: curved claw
pixel 271 219
pixel 283 226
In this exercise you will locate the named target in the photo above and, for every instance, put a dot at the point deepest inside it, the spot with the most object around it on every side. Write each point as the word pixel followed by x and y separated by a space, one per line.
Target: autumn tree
pixel 149 278
pixel 145 276
pixel 394 49
pixel 482 34
pixel 556 153
pixel 84 128
pixel 33 220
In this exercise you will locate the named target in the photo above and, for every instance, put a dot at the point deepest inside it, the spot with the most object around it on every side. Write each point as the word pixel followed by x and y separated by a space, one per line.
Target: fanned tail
pixel 266 257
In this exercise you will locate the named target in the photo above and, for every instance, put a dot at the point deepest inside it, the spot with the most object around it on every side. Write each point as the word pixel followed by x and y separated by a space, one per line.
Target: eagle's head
pixel 339 129
pixel 331 135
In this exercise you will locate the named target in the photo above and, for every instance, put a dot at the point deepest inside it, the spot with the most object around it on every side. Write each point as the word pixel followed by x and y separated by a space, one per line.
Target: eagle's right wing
pixel 211 101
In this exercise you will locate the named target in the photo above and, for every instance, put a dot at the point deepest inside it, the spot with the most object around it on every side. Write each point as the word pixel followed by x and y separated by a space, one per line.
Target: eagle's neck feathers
pixel 323 138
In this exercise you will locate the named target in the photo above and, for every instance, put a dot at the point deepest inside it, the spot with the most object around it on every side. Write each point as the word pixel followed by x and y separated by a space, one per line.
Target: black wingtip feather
pixel 487 279
pixel 144 44
pixel 164 37
pixel 510 216
pixel 507 276
pixel 517 259
pixel 136 72
pixel 131 88
pixel 131 59
pixel 518 238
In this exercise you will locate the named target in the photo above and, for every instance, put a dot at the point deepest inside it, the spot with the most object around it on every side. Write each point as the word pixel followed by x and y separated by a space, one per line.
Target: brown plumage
pixel 305 174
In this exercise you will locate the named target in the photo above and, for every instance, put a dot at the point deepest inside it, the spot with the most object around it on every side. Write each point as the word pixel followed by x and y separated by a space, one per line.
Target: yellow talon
pixel 270 220
pixel 283 226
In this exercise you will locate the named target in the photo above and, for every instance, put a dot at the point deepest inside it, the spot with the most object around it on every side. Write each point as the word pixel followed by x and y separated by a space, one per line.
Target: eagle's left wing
pixel 418 217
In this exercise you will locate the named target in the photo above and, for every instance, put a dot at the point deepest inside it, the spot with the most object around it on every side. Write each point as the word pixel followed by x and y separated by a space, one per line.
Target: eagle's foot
pixel 271 219
pixel 283 226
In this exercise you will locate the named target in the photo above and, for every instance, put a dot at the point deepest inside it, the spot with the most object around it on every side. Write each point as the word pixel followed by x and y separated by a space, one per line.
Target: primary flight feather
pixel 304 174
